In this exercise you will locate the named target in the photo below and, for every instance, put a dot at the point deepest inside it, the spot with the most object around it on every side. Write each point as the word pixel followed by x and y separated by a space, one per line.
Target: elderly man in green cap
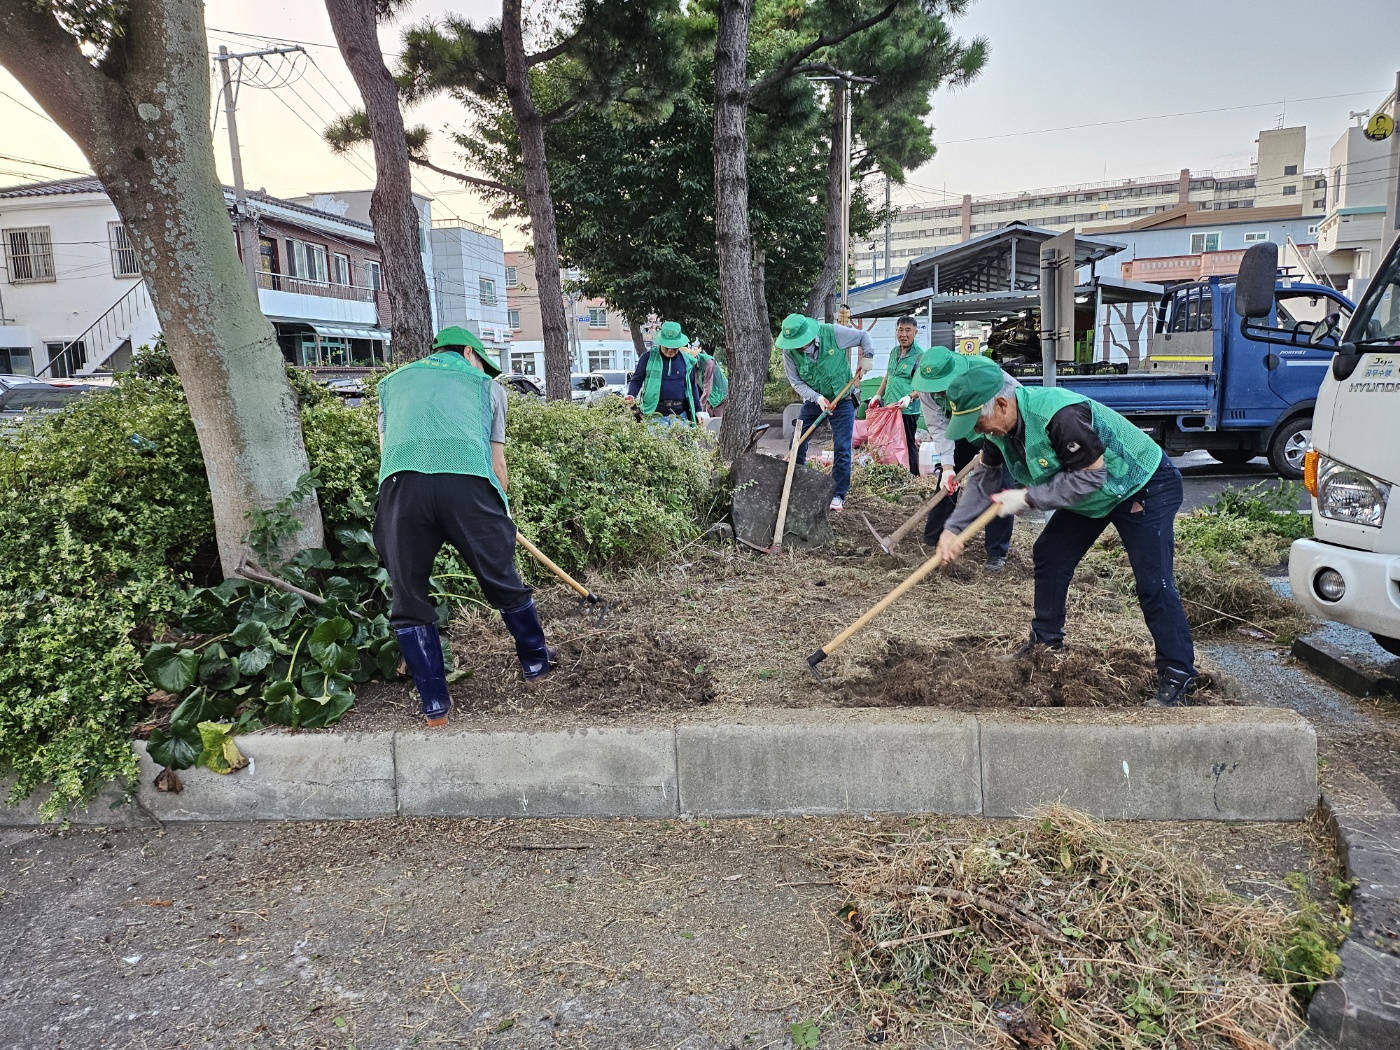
pixel 938 367
pixel 897 389
pixel 816 361
pixel 666 380
pixel 1093 468
pixel 442 479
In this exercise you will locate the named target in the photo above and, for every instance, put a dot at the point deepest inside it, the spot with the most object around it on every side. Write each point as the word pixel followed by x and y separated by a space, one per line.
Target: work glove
pixel 1011 501
pixel 948 478
pixel 903 402
pixel 823 403
pixel 874 402
pixel 702 418
pixel 629 399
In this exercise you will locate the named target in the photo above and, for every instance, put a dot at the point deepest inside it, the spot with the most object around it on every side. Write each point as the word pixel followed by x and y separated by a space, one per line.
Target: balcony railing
pixel 277 282
pixel 1183 267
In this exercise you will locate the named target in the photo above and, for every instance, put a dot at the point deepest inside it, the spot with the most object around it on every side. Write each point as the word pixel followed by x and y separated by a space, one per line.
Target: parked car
pixel 588 386
pixel 615 378
pixel 522 383
pixel 20 396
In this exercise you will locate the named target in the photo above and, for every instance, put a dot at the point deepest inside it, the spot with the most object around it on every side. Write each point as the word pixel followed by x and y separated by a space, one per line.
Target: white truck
pixel 1350 570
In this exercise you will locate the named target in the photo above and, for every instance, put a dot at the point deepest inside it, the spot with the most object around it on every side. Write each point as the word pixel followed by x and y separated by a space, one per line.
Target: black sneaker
pixel 994 563
pixel 1174 689
pixel 1033 643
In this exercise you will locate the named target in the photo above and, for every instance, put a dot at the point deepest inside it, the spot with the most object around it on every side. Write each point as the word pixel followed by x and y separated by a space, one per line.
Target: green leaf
pixel 328 710
pixel 169 668
pixel 251 635
pixel 318 683
pixel 386 658
pixel 338 588
pixel 326 648
pixel 217 670
pixel 202 706
pixel 804 1034
pixel 281 700
pixel 275 610
pixel 313 558
pixel 254 661
pixel 176 748
pixel 218 751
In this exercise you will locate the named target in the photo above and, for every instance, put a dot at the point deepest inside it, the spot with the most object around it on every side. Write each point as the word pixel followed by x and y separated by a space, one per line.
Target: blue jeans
pixel 842 419
pixel 996 536
pixel 1144 522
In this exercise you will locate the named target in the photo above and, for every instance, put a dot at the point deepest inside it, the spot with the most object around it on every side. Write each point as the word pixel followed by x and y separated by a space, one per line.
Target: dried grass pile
pixel 1060 933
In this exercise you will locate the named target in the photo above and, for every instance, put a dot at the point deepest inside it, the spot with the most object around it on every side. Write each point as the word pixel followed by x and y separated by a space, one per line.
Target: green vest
pixel 1130 456
pixel 651 385
pixel 437 419
pixel 830 371
pixel 900 378
pixel 719 383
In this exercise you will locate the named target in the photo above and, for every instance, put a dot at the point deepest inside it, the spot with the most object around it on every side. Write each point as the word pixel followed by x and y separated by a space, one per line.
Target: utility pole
pixel 246 223
pixel 889 222
pixel 843 97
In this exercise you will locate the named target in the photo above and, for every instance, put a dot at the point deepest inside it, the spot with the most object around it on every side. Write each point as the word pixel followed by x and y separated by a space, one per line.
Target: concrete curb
pixel 1360 1010
pixel 1188 764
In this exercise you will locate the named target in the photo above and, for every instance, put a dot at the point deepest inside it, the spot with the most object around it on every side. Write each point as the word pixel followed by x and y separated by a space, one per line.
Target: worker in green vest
pixel 816 361
pixel 714 384
pixel 665 381
pixel 443 479
pixel 1093 468
pixel 897 388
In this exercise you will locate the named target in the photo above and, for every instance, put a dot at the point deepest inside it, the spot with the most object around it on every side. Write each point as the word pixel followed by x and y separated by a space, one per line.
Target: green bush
pixel 1255 525
pixel 777 391
pixel 106 528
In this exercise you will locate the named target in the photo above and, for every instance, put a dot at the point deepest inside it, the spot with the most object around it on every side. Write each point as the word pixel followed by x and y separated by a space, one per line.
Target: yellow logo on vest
pixel 1044 462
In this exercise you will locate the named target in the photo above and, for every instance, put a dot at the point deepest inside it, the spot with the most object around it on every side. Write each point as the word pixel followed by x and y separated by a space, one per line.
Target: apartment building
pixel 1278 179
pixel 73 301
pixel 598 335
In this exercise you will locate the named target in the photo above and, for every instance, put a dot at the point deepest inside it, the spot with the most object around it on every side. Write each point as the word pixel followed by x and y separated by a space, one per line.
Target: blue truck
pixel 1206 386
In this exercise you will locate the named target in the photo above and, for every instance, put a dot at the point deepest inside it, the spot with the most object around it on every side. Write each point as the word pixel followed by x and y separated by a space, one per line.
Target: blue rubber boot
pixel 536 658
pixel 422 651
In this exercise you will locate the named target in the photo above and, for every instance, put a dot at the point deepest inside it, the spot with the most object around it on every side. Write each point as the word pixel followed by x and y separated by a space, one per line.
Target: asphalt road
pixel 1205 479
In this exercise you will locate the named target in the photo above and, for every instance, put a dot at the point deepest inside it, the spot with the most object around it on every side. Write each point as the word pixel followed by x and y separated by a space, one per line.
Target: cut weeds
pixel 1059 932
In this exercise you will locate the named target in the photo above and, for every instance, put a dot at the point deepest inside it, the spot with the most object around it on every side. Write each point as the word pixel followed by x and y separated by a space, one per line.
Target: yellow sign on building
pixel 1380 127
pixel 971 345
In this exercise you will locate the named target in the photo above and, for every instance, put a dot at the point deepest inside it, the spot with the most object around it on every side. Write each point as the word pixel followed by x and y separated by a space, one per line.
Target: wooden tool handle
pixel 780 525
pixel 983 520
pixel 825 412
pixel 922 513
pixel 544 560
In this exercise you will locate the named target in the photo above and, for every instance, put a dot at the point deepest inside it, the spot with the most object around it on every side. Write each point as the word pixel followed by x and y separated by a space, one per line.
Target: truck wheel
pixel 1290 442
pixel 1231 457
pixel 1390 645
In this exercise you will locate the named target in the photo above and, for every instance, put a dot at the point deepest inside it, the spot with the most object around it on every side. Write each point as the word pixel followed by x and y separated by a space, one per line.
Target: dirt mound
pixel 602 671
pixel 971 672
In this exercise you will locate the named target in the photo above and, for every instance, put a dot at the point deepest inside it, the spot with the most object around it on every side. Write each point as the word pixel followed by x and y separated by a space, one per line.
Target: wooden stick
pixel 1020 916
pixel 251 570
pixel 543 559
pixel 922 513
pixel 780 526
pixel 983 520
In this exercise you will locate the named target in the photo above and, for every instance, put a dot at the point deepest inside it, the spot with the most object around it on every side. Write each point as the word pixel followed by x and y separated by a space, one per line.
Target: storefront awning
pixel 351 332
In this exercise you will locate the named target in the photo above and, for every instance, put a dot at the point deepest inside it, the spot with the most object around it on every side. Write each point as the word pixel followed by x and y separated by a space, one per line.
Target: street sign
pixel 1380 127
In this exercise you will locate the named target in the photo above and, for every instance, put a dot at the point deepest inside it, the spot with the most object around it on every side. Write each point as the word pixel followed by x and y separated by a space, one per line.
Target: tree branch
pixel 825 40
pixel 540 57
pixel 46 59
pixel 470 180
pixel 559 114
pixel 827 67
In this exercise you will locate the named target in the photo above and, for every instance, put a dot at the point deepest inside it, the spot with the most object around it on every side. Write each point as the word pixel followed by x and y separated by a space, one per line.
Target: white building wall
pixel 468 282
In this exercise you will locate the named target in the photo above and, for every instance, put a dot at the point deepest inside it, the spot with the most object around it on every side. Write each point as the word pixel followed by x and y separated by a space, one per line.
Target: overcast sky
pixel 1120 66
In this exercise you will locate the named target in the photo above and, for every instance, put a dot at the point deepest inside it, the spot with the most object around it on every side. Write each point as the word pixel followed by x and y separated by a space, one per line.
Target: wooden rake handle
pixel 983 520
pixel 921 514
pixel 825 412
pixel 544 559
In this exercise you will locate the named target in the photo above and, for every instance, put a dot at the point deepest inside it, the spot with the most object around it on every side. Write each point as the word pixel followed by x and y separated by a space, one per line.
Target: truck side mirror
pixel 1254 287
pixel 1325 329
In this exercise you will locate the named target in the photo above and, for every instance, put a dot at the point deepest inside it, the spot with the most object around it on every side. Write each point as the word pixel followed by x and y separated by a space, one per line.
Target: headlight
pixel 1347 494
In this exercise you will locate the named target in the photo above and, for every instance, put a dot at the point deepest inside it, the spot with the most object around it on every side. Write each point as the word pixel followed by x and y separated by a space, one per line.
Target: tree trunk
pixel 558 360
pixel 746 336
pixel 639 344
pixel 391 209
pixel 145 131
pixel 821 301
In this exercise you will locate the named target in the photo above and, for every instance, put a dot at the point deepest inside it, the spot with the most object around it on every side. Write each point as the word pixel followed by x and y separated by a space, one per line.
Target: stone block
pixel 1192 764
pixel 872 763
pixel 1346 670
pixel 575 773
pixel 758 487
pixel 289 776
pixel 1361 1010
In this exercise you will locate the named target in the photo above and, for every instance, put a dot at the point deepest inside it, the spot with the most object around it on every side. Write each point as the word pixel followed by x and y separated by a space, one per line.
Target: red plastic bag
pixel 858 434
pixel 885 434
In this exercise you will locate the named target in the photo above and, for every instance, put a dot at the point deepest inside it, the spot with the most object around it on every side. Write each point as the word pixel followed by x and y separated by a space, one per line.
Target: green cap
pixel 451 338
pixel 979 381
pixel 672 336
pixel 797 332
pixel 938 367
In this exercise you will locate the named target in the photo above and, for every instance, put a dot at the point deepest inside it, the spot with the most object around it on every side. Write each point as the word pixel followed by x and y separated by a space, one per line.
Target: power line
pixel 276 39
pixel 30 109
pixel 42 164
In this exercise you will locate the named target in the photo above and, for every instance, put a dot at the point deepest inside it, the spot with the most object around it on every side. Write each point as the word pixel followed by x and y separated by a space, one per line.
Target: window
pixel 513 319
pixel 340 269
pixel 374 277
pixel 1205 242
pixel 1312 230
pixel 599 359
pixel 16 361
pixel 510 277
pixel 523 363
pixel 488 291
pixel 29 254
pixel 62 365
pixel 1290 169
pixel 1256 236
pixel 123 254
pixel 1319 184
pixel 308 261
pixel 1290 191
pixel 597 317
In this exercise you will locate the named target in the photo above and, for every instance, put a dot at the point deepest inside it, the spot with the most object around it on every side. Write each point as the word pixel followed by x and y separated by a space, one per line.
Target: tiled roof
pixel 86 184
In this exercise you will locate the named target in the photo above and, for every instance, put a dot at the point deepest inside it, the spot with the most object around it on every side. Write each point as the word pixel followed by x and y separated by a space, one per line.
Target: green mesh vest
pixel 1130 456
pixel 719 385
pixel 830 371
pixel 651 385
pixel 437 419
pixel 901 378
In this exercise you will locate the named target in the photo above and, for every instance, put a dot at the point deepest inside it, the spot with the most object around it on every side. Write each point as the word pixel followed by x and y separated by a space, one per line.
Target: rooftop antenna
pixel 1359 115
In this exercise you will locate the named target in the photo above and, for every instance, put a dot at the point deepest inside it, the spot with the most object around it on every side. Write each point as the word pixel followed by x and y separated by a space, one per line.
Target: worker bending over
pixel 1092 467
pixel 937 369
pixel 897 389
pixel 817 364
pixel 666 381
pixel 442 479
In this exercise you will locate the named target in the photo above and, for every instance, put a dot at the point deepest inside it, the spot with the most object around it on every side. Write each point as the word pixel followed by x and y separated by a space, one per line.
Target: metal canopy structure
pixel 992 306
pixel 1005 260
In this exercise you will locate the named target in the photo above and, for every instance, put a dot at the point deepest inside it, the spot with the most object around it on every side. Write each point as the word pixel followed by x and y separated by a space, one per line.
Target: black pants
pixel 997 535
pixel 418 513
pixel 911 424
